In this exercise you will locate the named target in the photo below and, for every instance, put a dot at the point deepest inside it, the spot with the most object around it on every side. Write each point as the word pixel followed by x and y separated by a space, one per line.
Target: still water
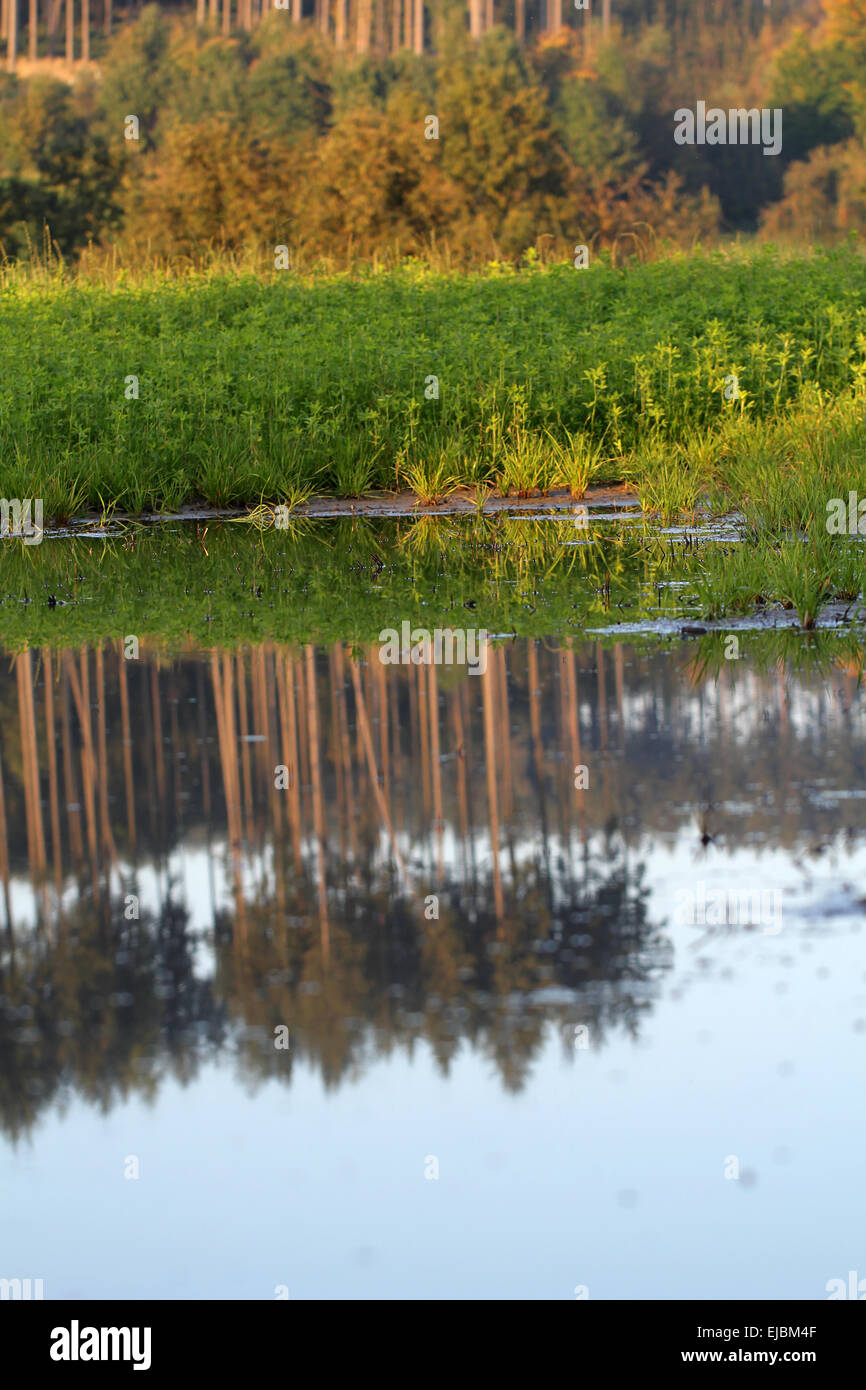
pixel 525 1057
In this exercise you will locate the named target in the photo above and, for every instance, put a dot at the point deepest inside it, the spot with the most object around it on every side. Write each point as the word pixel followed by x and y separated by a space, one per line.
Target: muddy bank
pixel 463 502
pixel 380 504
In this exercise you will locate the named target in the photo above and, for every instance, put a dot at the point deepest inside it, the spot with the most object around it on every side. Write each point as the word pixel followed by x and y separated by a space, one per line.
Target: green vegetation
pixel 152 393
pixel 279 137
pixel 227 583
pixel 240 391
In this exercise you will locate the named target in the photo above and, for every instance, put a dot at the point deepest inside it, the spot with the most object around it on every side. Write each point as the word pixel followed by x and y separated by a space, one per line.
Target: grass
pixel 252 387
pixel 260 393
pixel 249 581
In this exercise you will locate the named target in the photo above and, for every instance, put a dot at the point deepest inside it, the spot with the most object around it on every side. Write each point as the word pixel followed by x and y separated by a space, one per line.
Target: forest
pixel 380 130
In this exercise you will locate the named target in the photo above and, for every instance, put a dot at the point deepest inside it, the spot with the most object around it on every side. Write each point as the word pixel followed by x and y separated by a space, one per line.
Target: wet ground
pixel 353 979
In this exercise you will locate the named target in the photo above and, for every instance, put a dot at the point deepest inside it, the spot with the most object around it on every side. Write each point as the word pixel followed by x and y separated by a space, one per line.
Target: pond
pixel 329 976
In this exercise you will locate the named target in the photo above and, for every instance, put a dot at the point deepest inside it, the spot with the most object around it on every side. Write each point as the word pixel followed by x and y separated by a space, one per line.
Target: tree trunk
pixel 70 31
pixel 85 31
pixel 227 17
pixel 395 25
pixel 489 20
pixel 108 18
pixel 53 17
pixel 554 16
pixel 32 31
pixel 340 24
pixel 419 26
pixel 363 29
pixel 407 22
pixel 605 18
pixel 476 19
pixel 520 20
pixel 12 45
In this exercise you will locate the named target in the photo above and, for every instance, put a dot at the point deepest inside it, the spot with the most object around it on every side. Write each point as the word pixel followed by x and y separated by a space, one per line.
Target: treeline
pixel 384 26
pixel 388 128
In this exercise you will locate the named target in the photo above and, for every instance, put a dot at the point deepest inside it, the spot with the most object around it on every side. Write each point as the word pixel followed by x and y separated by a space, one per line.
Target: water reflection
pixel 199 849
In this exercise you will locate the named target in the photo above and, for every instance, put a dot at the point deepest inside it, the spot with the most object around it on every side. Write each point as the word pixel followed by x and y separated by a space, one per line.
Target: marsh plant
pixel 630 361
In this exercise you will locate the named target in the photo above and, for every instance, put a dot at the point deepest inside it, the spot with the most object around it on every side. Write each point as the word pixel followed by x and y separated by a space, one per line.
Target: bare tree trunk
pixel 346 752
pixel 489 19
pixel 395 25
pixel 81 694
pixel 363 29
pixel 505 724
pixel 30 764
pixel 4 853
pixel 407 22
pixel 605 18
pixel 200 11
pixel 126 734
pixel 243 731
pixel 287 743
pixel 227 17
pixel 382 695
pixel 85 31
pixel 32 31
pixel 51 24
pixel 340 24
pixel 435 761
pixel 73 807
pixel 489 695
pixel 156 720
pixel 419 26
pixel 366 740
pixel 108 844
pixel 381 39
pixel 520 20
pixel 554 16
pixel 12 45
pixel 108 18
pixel 53 785
pixel 213 10
pixel 318 806
pixel 423 739
pixel 224 706
pixel 476 19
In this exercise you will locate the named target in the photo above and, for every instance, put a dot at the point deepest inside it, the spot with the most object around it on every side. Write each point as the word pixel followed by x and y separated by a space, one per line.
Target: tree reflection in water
pixel 148 787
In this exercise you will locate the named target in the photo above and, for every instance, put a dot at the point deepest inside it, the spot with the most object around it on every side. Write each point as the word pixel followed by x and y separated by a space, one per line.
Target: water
pixel 516 1067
